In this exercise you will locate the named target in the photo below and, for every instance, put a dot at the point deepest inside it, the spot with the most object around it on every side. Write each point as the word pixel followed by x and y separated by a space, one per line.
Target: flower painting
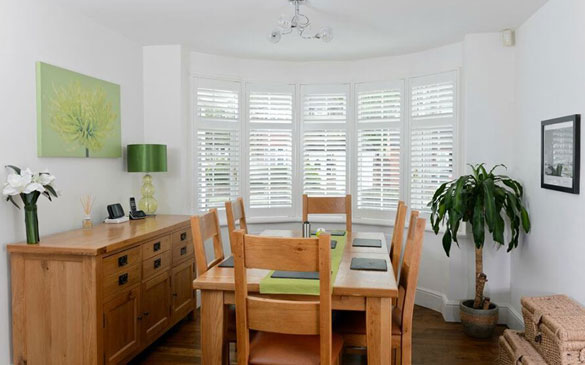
pixel 77 115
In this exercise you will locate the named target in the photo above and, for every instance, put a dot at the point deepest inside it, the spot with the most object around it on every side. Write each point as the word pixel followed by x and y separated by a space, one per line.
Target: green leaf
pixel 496 166
pixel 447 242
pixel 490 203
pixel 459 194
pixel 16 169
pixel 11 199
pixel 478 223
pixel 51 190
pixel 499 227
pixel 525 220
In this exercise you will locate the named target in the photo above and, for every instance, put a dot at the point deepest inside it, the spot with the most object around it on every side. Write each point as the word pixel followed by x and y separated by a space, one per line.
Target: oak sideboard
pixel 100 295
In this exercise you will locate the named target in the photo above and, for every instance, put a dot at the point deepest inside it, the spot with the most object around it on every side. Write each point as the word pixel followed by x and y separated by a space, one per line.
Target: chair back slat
pixel 409 272
pixel 283 315
pixel 328 205
pixel 397 235
pixel 235 214
pixel 282 253
pixel 267 315
pixel 204 227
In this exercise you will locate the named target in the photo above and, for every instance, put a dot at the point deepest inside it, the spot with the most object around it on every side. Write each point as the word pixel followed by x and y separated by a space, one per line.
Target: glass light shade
pixel 326 34
pixel 275 36
pixel 284 23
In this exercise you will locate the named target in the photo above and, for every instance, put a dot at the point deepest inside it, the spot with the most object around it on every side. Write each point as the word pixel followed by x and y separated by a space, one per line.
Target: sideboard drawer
pixel 121 261
pixel 155 247
pixel 182 236
pixel 156 264
pixel 182 250
pixel 122 280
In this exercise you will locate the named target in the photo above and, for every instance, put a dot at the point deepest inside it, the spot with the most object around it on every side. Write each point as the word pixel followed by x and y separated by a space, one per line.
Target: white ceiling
pixel 362 28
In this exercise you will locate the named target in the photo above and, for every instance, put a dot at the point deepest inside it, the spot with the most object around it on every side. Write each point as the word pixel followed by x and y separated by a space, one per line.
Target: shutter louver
pixel 433 101
pixel 378 163
pixel 324 159
pixel 216 104
pixel 218 165
pixel 270 174
pixel 267 107
pixel 431 163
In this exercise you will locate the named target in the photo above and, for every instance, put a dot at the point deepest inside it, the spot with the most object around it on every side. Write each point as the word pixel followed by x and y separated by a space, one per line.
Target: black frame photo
pixel 561 154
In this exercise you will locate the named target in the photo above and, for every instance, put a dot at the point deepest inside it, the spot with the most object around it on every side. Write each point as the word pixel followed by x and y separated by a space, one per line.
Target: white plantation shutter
pixel 324 142
pixel 217 143
pixel 379 125
pixel 432 136
pixel 270 149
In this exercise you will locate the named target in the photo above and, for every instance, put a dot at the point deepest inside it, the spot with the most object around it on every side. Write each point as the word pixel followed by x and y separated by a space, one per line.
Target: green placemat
pixel 270 285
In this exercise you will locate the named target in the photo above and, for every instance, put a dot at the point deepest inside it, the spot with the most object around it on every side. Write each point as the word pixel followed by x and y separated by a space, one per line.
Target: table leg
pixel 212 327
pixel 379 330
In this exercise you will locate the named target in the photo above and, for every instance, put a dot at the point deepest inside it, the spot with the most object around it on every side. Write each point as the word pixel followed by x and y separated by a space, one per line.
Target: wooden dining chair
pixel 397 235
pixel 328 205
pixel 288 331
pixel 236 215
pixel 352 325
pixel 205 227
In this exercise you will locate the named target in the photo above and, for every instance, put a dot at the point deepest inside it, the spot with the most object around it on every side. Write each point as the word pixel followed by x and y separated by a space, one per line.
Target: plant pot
pixel 478 323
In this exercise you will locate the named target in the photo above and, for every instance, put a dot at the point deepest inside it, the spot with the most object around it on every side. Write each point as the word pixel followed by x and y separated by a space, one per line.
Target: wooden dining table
pixel 353 290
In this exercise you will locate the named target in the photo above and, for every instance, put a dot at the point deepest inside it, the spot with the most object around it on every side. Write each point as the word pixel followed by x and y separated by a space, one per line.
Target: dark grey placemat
pixel 336 232
pixel 366 242
pixel 359 263
pixel 295 275
pixel 333 244
pixel 229 262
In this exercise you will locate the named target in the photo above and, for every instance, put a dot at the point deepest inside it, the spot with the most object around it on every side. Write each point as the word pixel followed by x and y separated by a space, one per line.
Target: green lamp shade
pixel 147 157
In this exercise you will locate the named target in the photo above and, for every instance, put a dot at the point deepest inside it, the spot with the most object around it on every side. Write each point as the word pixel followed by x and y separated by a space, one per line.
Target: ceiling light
pixel 301 24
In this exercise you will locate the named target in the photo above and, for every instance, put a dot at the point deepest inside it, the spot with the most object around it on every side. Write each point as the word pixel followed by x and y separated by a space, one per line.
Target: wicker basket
pixel 515 350
pixel 555 326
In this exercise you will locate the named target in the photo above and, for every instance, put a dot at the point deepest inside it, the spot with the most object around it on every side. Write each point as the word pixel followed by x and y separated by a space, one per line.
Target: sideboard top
pixel 103 238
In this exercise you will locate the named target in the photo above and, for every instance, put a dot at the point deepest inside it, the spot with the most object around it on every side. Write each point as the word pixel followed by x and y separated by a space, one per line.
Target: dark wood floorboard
pixel 434 342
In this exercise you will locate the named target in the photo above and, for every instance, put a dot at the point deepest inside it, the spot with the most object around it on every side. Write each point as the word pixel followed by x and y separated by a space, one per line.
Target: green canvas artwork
pixel 77 115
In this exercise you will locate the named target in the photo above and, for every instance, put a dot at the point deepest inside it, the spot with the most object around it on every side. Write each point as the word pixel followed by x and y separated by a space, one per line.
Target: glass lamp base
pixel 147 203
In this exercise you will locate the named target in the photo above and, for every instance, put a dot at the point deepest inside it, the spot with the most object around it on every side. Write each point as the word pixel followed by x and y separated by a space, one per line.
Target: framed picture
pixel 77 115
pixel 560 154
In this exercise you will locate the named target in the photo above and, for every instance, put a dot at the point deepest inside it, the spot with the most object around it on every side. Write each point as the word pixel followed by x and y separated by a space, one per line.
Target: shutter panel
pixel 379 112
pixel 378 163
pixel 324 159
pixel 217 104
pixel 325 108
pixel 270 172
pixel 431 163
pixel 432 144
pixel 218 162
pixel 379 106
pixel 433 101
pixel 266 107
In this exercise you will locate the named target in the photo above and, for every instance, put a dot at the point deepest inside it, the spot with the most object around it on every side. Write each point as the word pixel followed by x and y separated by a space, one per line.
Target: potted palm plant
pixel 487 202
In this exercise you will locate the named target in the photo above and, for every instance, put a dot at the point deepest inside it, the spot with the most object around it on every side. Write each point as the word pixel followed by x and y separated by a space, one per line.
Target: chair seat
pixel 275 348
pixel 354 323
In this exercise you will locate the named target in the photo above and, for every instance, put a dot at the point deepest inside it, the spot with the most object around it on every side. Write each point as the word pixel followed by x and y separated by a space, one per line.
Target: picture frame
pixel 561 154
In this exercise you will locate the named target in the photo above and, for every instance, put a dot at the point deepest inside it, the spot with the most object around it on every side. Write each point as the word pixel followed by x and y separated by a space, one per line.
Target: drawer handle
pixel 156 247
pixel 183 250
pixel 122 260
pixel 157 263
pixel 123 279
pixel 183 236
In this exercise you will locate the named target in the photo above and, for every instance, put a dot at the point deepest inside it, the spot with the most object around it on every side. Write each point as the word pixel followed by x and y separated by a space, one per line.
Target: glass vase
pixel 31 222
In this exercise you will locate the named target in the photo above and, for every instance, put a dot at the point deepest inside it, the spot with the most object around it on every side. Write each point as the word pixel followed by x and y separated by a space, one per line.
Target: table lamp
pixel 147 158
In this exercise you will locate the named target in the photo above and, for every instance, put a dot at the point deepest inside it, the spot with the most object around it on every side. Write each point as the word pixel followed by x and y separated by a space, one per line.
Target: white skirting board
pixel 450 309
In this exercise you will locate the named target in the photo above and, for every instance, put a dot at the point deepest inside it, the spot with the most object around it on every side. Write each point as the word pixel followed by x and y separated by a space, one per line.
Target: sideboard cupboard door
pixel 156 294
pixel 122 319
pixel 182 290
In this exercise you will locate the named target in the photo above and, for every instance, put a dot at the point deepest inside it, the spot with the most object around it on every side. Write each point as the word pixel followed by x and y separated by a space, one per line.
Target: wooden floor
pixel 434 342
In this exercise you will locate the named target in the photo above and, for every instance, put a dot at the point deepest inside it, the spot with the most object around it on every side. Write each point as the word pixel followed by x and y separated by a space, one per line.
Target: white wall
pixel 39 30
pixel 550 77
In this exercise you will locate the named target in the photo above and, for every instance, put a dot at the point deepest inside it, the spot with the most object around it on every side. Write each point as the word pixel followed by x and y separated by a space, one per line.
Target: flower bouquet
pixel 29 186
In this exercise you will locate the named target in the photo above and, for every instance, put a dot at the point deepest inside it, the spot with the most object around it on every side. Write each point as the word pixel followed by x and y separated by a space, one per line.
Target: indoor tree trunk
pixel 480 278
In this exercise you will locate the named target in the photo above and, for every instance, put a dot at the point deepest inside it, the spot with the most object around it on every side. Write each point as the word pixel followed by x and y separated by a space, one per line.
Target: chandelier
pixel 301 24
